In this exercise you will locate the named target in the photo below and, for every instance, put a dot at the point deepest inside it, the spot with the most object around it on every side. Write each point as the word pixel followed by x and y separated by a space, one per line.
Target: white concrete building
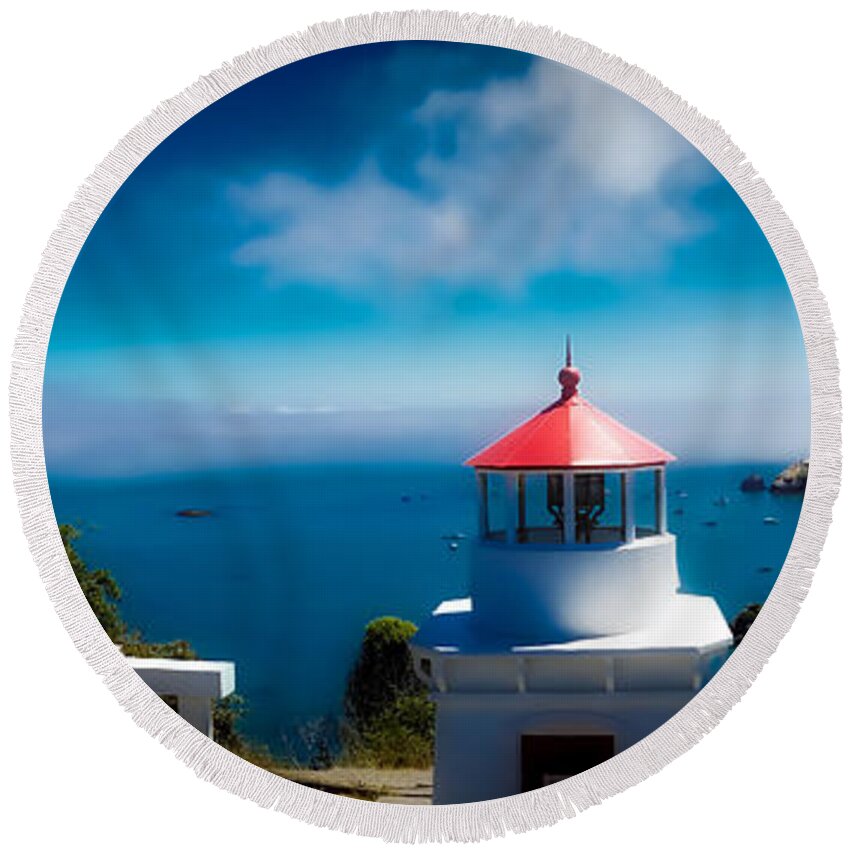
pixel 189 687
pixel 575 642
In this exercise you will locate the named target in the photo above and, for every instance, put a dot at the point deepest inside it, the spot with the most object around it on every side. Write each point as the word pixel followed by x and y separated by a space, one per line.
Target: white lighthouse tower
pixel 575 642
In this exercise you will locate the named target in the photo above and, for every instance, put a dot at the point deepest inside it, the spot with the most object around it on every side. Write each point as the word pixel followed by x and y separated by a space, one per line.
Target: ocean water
pixel 293 562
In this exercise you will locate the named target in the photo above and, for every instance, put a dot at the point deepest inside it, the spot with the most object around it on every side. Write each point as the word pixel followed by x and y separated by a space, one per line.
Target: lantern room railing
pixel 599 507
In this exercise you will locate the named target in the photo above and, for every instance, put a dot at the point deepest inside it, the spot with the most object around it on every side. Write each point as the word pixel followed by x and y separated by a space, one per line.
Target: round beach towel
pixel 426 410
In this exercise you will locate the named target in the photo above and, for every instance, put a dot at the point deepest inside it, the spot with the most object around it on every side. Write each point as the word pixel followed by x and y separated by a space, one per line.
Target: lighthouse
pixel 575 641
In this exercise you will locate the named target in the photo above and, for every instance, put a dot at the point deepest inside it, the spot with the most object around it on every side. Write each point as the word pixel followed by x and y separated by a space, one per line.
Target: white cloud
pixel 549 171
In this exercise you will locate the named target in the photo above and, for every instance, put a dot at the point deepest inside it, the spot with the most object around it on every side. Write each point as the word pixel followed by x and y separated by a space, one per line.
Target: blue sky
pixel 377 252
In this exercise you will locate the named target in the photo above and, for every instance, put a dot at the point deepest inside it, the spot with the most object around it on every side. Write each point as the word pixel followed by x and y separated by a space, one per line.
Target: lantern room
pixel 571 476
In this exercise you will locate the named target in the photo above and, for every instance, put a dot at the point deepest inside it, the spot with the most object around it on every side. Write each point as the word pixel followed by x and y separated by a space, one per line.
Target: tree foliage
pixel 99 587
pixel 390 717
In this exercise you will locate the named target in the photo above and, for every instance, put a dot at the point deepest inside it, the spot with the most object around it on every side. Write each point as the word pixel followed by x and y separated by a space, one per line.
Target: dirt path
pixel 409 787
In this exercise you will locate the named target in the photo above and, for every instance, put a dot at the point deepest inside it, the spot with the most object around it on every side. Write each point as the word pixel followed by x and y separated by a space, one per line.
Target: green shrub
pixel 382 673
pixel 390 718
pixel 134 645
pixel 403 736
pixel 227 712
pixel 742 622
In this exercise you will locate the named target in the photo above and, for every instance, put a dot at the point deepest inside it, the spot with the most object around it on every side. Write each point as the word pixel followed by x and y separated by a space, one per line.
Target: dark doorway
pixel 550 758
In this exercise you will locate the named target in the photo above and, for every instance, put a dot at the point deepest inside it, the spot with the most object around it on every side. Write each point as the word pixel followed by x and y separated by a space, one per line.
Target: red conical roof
pixel 570 434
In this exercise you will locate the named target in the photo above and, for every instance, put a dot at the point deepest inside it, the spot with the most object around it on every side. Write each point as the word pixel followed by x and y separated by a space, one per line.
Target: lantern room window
pixel 571 508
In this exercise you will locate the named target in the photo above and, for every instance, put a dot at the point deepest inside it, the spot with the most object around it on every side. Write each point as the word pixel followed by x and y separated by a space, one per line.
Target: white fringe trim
pixel 473 821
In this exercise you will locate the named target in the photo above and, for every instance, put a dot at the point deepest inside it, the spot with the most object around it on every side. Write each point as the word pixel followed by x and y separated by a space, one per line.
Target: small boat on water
pixel 764 570
pixel 710 523
pixel 681 494
pixel 721 501
pixel 678 511
pixel 453 546
pixel 771 520
pixel 457 535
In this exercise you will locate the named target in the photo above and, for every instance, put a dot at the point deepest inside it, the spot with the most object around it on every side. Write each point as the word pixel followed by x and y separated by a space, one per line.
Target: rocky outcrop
pixel 792 479
pixel 753 484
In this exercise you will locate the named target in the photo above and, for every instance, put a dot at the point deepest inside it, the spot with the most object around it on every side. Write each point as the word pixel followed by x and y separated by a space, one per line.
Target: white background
pixel 77 76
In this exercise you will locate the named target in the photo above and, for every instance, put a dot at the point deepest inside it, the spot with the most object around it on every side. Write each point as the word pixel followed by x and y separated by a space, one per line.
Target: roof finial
pixel 569 376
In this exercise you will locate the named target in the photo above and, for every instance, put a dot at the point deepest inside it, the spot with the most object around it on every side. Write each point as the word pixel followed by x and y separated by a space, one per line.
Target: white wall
pixel 553 593
pixel 194 683
pixel 478 737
